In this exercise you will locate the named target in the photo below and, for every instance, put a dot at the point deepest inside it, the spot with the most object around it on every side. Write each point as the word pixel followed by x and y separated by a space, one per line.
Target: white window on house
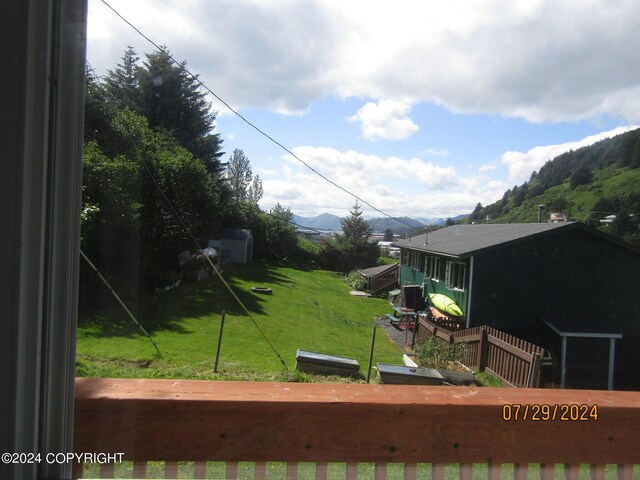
pixel 455 275
pixel 432 267
pixel 416 260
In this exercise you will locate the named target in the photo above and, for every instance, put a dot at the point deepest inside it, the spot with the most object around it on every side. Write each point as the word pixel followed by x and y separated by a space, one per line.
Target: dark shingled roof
pixel 465 240
pixel 373 271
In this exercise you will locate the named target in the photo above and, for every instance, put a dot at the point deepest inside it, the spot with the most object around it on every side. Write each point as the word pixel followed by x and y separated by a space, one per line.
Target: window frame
pixel 455 278
pixel 432 267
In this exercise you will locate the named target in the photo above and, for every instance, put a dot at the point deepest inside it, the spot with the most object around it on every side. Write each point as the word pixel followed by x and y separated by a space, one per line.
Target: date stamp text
pixel 540 412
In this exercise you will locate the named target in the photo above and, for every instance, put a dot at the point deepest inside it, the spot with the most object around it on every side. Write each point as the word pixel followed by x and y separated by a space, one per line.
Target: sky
pixel 421 109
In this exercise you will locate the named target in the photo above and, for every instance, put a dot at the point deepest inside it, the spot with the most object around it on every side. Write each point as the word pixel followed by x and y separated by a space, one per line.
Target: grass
pixel 485 379
pixel 311 310
pixel 365 471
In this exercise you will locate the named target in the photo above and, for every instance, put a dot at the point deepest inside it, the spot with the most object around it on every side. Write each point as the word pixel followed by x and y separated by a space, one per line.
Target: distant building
pixel 558 217
pixel 388 250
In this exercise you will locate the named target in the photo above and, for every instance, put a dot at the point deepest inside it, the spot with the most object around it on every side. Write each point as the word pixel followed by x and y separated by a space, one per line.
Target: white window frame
pixel 416 261
pixel 432 267
pixel 455 276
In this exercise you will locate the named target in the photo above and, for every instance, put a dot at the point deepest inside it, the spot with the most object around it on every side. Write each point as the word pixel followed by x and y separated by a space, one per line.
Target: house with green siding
pixel 573 290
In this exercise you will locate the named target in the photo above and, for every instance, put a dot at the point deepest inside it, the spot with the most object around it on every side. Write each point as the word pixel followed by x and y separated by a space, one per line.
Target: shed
pixel 515 276
pixel 236 245
pixel 382 278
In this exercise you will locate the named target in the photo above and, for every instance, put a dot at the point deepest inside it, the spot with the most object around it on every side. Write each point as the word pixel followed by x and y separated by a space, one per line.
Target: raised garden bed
pixel 313 362
pixel 407 375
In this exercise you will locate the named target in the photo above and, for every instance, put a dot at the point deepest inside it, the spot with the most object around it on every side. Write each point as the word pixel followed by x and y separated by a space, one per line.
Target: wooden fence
pixel 205 429
pixel 514 361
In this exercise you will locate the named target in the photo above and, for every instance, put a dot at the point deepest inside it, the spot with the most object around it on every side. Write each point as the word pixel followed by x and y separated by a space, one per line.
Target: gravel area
pixel 396 335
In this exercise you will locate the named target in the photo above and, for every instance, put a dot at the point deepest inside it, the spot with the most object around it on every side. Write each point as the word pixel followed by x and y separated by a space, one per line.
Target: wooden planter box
pixel 406 375
pixel 313 362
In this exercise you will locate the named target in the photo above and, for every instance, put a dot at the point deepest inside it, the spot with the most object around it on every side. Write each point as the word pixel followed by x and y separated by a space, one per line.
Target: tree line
pixel 154 176
pixel 155 180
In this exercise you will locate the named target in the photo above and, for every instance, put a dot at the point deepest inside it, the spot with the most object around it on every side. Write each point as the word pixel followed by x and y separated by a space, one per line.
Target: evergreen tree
pixel 388 235
pixel 122 83
pixel 355 227
pixel 476 215
pixel 172 101
pixel 281 212
pixel 351 249
pixel 581 176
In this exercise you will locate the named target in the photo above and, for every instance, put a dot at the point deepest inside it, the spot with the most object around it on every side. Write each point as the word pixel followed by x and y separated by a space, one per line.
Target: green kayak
pixel 445 304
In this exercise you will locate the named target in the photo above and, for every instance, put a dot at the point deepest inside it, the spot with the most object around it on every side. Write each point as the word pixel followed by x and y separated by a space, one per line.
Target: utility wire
pixel 187 230
pixel 113 292
pixel 245 120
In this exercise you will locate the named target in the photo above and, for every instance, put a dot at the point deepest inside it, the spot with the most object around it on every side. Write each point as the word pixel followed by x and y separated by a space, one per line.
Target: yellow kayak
pixel 445 304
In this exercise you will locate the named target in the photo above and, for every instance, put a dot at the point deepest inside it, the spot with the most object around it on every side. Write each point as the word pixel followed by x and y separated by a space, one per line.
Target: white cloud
pixel 540 60
pixel 521 164
pixel 387 119
pixel 432 152
pixel 397 186
pixel 357 171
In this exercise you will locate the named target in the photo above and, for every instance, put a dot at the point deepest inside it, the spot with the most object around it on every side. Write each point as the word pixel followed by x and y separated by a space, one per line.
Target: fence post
pixel 215 367
pixel 534 371
pixel 483 349
pixel 416 331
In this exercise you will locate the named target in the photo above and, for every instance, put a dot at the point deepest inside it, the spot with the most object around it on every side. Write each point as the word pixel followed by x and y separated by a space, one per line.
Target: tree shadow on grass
pixel 166 311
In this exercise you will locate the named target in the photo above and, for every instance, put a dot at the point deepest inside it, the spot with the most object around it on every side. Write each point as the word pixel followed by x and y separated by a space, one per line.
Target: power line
pixel 113 292
pixel 245 120
pixel 187 230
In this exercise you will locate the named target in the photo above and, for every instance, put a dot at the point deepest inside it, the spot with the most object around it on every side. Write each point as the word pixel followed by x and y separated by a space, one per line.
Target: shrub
pixel 436 354
pixel 356 280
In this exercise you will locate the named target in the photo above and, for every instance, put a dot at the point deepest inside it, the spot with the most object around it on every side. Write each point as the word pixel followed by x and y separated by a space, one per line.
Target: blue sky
pixel 422 109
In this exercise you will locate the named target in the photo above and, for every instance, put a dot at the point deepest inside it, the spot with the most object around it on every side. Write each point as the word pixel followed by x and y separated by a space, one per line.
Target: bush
pixel 433 353
pixel 356 280
pixel 306 254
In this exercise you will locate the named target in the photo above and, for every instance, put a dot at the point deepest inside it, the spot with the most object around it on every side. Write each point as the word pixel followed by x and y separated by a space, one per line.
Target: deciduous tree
pixel 238 174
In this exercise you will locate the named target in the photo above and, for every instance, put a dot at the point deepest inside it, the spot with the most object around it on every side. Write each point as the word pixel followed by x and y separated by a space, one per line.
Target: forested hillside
pixel 586 184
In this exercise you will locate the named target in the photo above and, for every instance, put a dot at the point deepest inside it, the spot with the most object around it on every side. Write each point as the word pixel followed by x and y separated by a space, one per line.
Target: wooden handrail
pixel 175 420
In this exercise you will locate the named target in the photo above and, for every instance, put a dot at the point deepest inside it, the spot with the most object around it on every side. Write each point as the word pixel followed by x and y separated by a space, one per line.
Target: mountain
pixel 586 184
pixel 325 221
pixel 398 225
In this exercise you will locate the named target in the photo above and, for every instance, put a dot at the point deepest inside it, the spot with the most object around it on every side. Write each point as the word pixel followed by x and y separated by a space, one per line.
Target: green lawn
pixel 311 310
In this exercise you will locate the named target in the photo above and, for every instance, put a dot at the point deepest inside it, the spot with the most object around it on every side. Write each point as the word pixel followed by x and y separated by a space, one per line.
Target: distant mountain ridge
pixel 398 225
pixel 325 221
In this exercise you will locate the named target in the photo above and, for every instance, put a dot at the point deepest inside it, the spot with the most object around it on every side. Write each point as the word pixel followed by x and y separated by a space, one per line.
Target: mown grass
pixel 365 471
pixel 310 310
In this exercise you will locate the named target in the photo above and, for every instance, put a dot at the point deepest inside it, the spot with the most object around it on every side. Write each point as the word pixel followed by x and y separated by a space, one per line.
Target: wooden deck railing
pixel 203 421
